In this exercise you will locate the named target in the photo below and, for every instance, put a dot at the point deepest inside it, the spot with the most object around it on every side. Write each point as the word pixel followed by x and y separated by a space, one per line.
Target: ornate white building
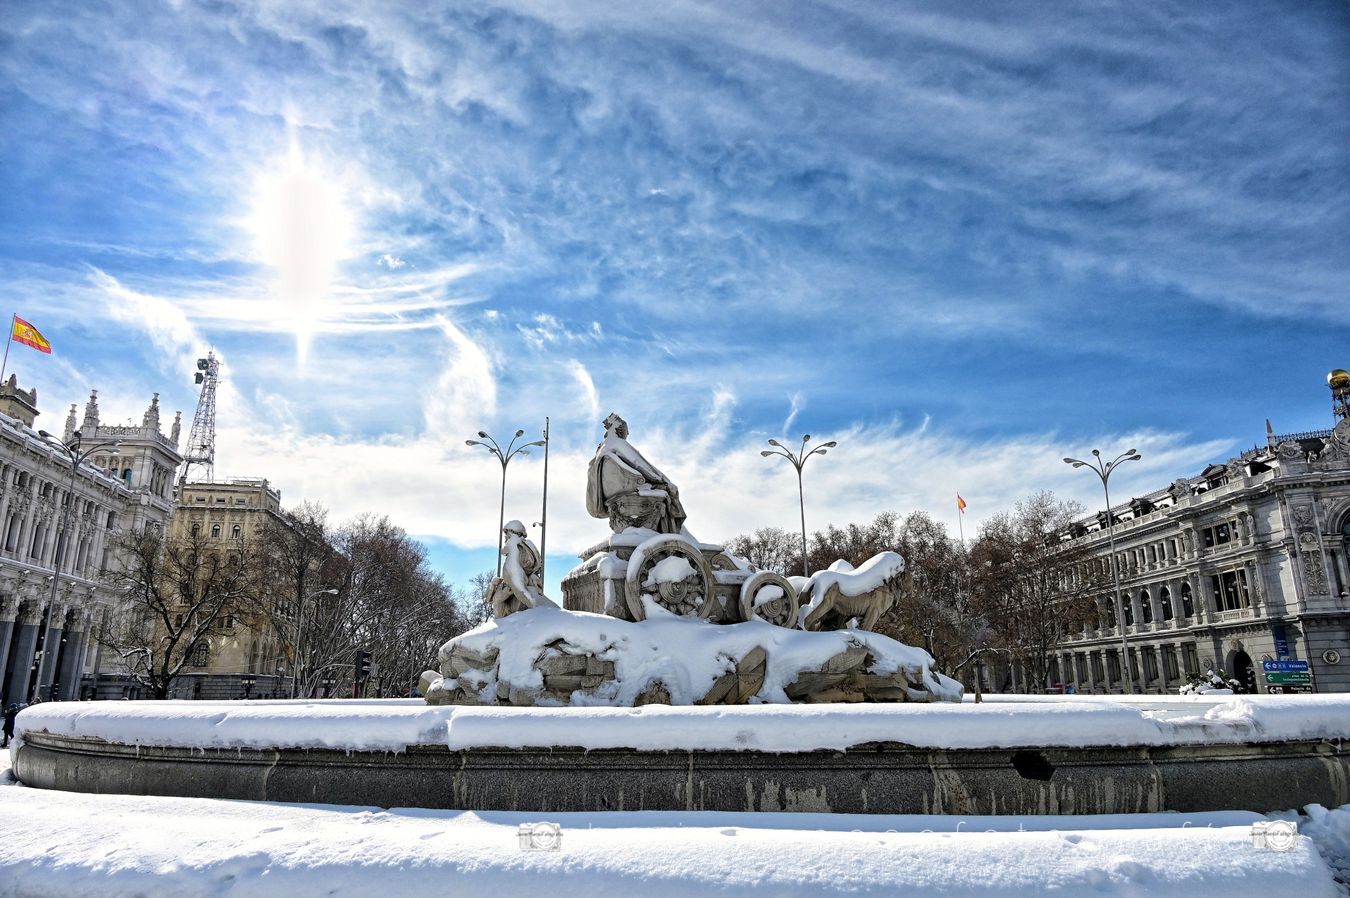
pixel 1243 563
pixel 112 492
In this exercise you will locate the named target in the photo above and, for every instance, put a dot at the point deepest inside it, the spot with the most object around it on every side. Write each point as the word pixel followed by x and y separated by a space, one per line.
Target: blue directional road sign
pixel 1284 666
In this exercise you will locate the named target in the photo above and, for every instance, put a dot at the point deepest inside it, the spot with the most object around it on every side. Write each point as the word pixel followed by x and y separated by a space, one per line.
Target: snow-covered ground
pixel 394 725
pixel 109 846
pixel 73 845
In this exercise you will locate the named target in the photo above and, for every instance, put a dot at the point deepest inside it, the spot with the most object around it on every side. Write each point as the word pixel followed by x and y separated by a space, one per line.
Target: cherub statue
pixel 629 490
pixel 520 584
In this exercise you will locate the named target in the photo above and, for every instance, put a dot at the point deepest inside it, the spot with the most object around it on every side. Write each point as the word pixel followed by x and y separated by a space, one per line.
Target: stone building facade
pixel 1246 562
pixel 244 657
pixel 112 492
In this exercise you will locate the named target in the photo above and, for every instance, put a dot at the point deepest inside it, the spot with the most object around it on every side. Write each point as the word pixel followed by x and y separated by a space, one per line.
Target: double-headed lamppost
pixel 798 459
pixel 78 455
pixel 504 456
pixel 1103 469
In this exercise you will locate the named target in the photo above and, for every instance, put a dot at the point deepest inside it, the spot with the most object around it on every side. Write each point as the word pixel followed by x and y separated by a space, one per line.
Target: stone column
pixel 1091 672
pixel 24 642
pixel 72 660
pixel 1343 565
pixel 95 559
pixel 51 529
pixel 9 607
pixel 51 646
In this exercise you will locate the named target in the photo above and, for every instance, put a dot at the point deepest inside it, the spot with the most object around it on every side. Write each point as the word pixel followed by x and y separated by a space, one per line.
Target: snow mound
pixel 548 656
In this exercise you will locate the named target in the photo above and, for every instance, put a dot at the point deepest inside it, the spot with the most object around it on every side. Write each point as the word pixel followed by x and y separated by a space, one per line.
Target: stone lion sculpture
pixel 832 598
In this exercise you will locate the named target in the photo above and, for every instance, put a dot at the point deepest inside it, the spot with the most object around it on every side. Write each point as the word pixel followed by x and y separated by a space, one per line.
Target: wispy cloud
pixel 1030 228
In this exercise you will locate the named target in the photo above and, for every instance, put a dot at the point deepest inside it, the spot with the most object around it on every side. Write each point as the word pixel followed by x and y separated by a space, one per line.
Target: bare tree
pixel 398 610
pixel 854 543
pixel 1032 585
pixel 176 592
pixel 474 600
pixel 935 609
pixel 769 549
pixel 302 570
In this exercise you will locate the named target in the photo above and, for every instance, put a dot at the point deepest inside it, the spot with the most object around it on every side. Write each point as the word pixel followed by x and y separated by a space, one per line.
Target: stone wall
pixel 884 778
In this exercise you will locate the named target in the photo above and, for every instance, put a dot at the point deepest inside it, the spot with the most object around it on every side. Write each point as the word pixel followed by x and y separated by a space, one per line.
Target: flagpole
pixel 960 522
pixel 9 338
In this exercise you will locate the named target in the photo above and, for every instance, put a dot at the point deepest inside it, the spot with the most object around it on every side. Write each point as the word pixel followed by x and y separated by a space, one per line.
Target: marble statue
pixel 520 584
pixel 837 597
pixel 651 615
pixel 629 490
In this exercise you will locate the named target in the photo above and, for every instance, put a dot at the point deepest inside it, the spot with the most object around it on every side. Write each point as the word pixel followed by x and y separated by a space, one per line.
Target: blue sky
pixel 963 240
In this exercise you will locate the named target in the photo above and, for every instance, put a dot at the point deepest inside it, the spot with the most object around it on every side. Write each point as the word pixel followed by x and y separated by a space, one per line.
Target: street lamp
pixel 299 670
pixel 504 456
pixel 78 455
pixel 798 459
pixel 247 681
pixel 1103 469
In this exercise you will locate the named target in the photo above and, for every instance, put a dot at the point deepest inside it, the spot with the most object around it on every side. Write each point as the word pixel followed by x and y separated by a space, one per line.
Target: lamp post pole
pixel 504 456
pixel 798 460
pixel 1103 469
pixel 543 520
pixel 78 456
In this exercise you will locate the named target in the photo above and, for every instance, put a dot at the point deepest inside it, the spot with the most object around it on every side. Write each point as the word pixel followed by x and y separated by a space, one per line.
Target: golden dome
pixel 1338 378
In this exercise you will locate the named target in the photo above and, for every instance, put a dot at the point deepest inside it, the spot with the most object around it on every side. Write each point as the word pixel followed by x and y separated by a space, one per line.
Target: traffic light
pixel 362 667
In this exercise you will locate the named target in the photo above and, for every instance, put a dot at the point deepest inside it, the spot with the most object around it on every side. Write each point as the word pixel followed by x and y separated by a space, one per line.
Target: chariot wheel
pixel 769 597
pixel 676 576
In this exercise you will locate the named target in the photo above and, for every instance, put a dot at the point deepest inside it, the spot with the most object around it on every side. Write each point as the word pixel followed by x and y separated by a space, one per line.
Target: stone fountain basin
pixel 1008 755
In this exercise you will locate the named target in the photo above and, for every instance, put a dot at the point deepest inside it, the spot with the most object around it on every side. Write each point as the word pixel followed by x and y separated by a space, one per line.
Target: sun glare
pixel 303 230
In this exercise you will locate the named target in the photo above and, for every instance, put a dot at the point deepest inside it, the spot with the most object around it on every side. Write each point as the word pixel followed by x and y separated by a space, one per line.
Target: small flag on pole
pixel 960 504
pixel 28 335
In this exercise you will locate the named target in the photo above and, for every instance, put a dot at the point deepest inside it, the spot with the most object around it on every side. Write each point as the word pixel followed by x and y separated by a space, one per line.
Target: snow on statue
pixel 629 490
pixel 652 615
pixel 521 584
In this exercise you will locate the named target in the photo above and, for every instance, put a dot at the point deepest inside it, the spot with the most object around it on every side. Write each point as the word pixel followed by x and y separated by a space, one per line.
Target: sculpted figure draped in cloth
pixel 520 585
pixel 629 490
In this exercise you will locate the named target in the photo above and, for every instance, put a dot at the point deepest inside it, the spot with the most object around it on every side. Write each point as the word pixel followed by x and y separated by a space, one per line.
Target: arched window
pixel 126 475
pixel 1187 602
pixel 1110 614
pixel 1165 600
pixel 237 532
pixel 1146 607
pixel 215 531
pixel 1129 611
pixel 196 530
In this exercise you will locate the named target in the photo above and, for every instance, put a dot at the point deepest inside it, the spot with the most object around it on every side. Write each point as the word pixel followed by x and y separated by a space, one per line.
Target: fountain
pixel 675 676
pixel 654 616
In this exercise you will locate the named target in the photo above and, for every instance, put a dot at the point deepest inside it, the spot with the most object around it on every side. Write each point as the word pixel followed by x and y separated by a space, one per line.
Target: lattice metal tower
pixel 201 444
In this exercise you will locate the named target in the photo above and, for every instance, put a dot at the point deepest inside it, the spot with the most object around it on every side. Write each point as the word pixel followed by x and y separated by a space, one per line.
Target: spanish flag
pixel 28 335
pixel 960 504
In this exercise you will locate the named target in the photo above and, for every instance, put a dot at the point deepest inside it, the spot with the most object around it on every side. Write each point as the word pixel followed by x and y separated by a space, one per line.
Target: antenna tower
pixel 201 444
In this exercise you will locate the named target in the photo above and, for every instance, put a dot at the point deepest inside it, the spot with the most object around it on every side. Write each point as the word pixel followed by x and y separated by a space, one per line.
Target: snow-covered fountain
pixel 654 616
pixel 674 676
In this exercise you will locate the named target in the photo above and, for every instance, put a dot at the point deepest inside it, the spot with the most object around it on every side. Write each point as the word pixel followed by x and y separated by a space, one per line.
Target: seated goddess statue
pixel 629 490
